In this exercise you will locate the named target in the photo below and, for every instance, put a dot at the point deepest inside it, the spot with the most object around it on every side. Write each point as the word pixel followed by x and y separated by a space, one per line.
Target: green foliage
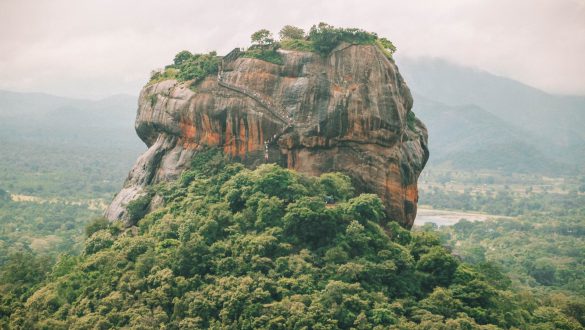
pixel 386 46
pixel 336 185
pixel 440 264
pixel 265 54
pixel 262 37
pixel 182 57
pixel 366 207
pixel 523 247
pixel 289 32
pixel 96 224
pixel 322 38
pixel 138 208
pixel 311 222
pixel 326 37
pixel 298 44
pixel 43 228
pixel 187 66
pixel 503 201
pixel 198 67
pixel 160 75
pixel 537 254
pixel 257 249
pixel 98 241
pixel 411 121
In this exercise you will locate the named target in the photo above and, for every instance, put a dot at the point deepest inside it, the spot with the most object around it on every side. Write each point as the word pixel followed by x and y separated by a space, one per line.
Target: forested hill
pixel 261 249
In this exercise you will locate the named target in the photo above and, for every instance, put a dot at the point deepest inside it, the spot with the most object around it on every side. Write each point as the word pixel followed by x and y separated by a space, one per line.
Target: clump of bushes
pixel 264 47
pixel 326 37
pixel 269 55
pixel 188 66
pixel 302 45
pixel 160 75
pixel 322 38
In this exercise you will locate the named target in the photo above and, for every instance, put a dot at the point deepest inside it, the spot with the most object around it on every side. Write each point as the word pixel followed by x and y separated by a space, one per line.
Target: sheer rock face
pixel 346 112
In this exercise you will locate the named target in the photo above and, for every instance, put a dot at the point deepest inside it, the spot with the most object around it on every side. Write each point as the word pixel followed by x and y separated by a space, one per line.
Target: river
pixel 447 218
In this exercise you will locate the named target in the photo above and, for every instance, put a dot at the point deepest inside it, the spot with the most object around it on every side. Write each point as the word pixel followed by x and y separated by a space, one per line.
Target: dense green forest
pixel 238 248
pixel 44 228
pixel 544 252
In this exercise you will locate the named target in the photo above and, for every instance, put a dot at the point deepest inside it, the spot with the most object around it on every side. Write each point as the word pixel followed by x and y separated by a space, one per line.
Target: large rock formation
pixel 347 112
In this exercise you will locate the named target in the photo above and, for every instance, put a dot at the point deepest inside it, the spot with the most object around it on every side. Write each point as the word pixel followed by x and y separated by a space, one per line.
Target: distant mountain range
pixel 477 120
pixel 52 119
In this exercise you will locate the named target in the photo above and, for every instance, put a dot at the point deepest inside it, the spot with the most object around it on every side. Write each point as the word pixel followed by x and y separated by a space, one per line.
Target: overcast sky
pixel 96 48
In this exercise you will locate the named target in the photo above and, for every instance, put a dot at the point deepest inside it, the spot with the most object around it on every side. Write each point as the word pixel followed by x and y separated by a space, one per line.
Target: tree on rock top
pixel 262 38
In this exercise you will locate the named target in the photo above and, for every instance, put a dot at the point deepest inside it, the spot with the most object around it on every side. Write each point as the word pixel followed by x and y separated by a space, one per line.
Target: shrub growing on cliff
pixel 198 67
pixel 187 66
pixel 326 37
pixel 182 57
pixel 160 75
pixel 387 46
pixel 268 55
pixel 264 47
pixel 302 45
pixel 323 38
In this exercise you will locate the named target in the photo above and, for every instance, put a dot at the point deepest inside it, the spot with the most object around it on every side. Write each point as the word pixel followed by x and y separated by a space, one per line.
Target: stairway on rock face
pixel 280 114
pixel 277 111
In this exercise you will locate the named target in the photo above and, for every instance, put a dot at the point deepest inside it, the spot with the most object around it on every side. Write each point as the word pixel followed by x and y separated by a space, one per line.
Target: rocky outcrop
pixel 347 112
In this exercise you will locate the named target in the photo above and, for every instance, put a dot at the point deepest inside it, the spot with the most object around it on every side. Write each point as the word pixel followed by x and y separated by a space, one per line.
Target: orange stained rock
pixel 241 146
pixel 228 146
pixel 188 129
pixel 411 193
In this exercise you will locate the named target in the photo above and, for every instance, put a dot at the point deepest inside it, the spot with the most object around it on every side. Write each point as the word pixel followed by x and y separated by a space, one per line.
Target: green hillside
pixel 241 249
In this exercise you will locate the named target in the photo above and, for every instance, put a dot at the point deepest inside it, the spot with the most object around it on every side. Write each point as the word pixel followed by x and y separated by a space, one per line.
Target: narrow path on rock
pixel 277 112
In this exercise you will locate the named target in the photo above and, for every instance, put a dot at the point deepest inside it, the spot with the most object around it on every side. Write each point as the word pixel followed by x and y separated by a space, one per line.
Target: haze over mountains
pixel 47 141
pixel 477 120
